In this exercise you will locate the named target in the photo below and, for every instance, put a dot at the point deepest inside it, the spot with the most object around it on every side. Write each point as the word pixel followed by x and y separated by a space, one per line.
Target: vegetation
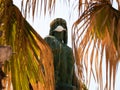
pixel 31 67
pixel 95 34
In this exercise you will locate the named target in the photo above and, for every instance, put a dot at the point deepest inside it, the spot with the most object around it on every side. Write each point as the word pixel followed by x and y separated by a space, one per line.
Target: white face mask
pixel 59 29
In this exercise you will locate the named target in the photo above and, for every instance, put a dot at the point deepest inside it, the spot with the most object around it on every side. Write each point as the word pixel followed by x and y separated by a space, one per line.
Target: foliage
pixel 32 64
pixel 98 27
pixel 95 34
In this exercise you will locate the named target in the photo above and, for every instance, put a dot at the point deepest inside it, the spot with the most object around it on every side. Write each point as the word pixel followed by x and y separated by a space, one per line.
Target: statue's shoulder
pixel 49 37
pixel 52 41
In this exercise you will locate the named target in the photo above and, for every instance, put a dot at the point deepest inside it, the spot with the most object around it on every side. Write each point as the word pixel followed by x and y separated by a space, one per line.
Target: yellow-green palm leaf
pixel 32 63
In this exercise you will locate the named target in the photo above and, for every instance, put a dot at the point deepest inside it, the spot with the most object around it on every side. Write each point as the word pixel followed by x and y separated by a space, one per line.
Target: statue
pixel 63 55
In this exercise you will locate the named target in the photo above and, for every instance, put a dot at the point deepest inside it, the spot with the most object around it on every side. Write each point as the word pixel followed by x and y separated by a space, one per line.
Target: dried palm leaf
pixel 103 22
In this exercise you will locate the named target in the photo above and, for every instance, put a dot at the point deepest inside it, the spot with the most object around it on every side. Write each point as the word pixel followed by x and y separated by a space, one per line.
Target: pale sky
pixel 41 25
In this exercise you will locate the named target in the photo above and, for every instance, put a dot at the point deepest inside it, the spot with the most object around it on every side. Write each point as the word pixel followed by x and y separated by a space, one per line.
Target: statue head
pixel 58 28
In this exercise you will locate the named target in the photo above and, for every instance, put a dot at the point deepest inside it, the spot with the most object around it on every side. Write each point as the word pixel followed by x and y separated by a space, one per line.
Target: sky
pixel 41 25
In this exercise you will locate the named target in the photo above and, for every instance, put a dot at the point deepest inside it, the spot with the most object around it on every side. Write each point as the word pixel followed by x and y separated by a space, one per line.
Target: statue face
pixel 58 28
pixel 59 35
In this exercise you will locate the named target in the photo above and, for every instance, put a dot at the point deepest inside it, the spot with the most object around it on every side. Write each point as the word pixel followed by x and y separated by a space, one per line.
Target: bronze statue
pixel 63 55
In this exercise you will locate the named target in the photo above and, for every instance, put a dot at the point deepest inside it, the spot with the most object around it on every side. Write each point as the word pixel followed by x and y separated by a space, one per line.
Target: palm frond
pixel 35 5
pixel 42 6
pixel 32 64
pixel 98 27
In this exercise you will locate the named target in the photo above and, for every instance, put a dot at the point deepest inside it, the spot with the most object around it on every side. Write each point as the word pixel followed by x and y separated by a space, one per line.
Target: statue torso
pixel 63 61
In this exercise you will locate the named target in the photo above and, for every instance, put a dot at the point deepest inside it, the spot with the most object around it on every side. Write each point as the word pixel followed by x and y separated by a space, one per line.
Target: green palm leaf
pixel 32 63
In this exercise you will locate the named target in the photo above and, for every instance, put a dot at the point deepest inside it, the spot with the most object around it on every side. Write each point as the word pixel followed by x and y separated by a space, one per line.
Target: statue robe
pixel 63 63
